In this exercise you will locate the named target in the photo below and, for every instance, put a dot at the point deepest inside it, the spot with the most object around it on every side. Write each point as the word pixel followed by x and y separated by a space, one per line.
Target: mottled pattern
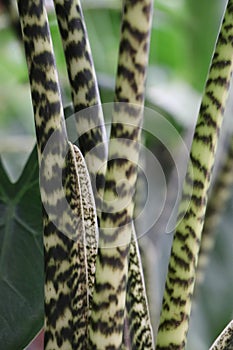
pixel 139 326
pixel 109 299
pixel 225 340
pixel 181 271
pixel 45 90
pixel 68 206
pixel 70 267
pixel 219 196
pixel 66 299
pixel 89 220
pixel 84 91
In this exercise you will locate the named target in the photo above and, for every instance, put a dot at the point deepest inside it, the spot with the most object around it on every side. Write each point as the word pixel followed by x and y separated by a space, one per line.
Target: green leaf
pixel 21 257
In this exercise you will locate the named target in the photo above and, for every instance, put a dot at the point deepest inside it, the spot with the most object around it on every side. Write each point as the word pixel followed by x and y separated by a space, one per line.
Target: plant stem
pixel 66 301
pixel 180 280
pixel 108 312
pixel 219 196
pixel 84 91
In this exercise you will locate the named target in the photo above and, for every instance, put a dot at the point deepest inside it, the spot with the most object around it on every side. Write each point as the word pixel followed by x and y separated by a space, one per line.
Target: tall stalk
pixel 108 310
pixel 85 93
pixel 84 90
pixel 180 280
pixel 64 178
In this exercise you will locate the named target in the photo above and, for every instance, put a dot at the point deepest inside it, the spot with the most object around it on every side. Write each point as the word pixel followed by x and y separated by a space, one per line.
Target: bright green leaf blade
pixel 21 258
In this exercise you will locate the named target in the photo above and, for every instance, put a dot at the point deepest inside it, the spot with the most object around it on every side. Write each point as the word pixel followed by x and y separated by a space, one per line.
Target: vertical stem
pixel 84 90
pixel 109 298
pixel 183 261
pixel 219 196
pixel 66 301
pixel 85 94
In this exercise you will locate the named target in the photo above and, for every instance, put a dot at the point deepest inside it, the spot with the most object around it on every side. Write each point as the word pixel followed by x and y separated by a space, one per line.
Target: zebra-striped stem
pixel 84 90
pixel 219 196
pixel 81 71
pixel 179 286
pixel 66 301
pixel 85 93
pixel 107 319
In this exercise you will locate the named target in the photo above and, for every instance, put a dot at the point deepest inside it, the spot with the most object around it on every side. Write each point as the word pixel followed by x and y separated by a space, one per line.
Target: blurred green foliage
pixel 21 257
pixel 183 37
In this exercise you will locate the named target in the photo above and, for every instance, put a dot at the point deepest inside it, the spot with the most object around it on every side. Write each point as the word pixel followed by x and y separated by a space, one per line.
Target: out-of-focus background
pixel 183 37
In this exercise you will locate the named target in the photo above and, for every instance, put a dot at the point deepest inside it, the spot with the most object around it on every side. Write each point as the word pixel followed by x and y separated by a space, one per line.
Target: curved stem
pixel 84 91
pixel 179 287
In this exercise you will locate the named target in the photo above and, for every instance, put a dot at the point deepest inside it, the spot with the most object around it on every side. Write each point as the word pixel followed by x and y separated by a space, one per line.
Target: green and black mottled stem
pixel 139 324
pixel 219 196
pixel 84 87
pixel 180 280
pixel 66 301
pixel 84 91
pixel 109 299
